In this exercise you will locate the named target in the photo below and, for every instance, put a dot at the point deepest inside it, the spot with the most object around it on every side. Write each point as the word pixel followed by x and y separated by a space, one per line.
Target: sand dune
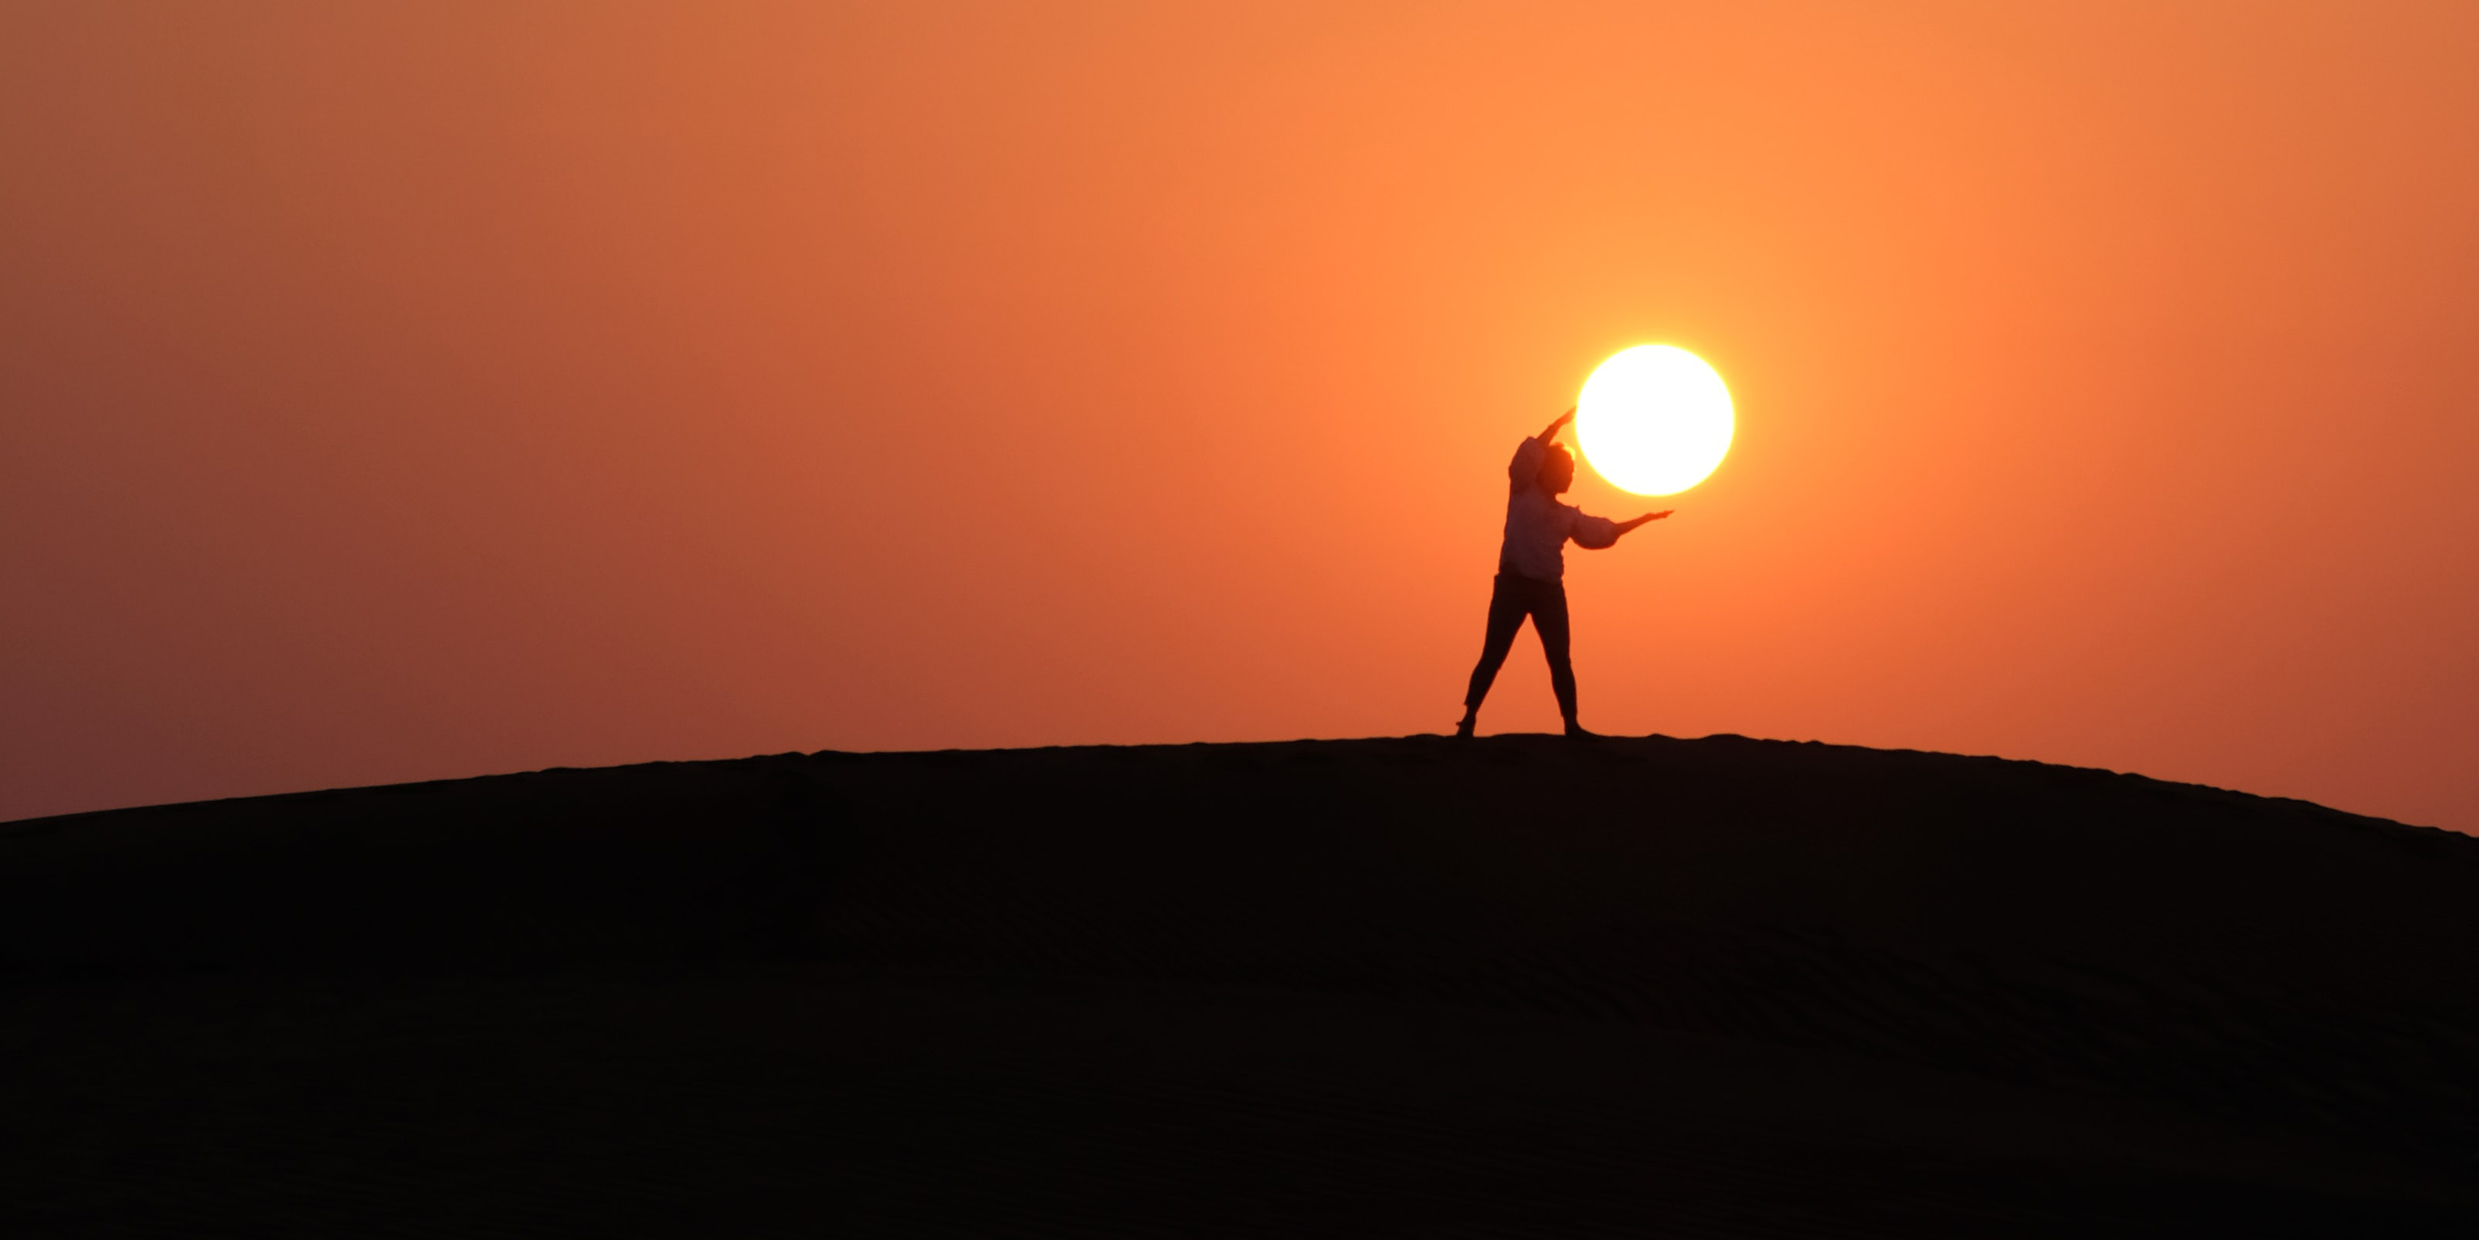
pixel 1509 987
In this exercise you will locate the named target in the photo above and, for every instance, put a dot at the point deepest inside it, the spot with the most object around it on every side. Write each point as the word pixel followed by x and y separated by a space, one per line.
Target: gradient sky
pixel 413 391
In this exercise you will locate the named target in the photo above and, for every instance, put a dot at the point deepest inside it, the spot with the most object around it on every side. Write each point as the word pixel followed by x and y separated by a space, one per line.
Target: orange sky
pixel 479 387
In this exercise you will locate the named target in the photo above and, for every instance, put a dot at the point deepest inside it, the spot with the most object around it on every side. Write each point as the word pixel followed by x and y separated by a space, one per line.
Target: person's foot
pixel 1463 727
pixel 1578 732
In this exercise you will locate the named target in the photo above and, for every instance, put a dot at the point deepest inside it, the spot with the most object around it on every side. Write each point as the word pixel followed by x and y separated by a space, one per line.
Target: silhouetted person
pixel 1532 565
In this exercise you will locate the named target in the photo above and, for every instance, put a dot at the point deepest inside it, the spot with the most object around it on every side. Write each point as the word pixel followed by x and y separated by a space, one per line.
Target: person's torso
pixel 1537 527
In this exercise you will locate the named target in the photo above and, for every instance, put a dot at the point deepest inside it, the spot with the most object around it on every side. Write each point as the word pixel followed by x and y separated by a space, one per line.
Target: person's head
pixel 1557 470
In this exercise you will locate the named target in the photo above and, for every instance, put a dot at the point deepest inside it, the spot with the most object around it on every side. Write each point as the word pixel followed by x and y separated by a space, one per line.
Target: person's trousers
pixel 1514 597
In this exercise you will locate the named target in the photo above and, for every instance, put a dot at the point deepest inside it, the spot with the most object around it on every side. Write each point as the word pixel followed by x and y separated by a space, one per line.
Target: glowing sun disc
pixel 1654 420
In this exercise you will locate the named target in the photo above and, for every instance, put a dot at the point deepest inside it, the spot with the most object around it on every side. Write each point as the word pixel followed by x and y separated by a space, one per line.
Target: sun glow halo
pixel 1654 420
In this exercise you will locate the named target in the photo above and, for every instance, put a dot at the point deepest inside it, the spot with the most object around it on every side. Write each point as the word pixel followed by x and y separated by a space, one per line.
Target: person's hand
pixel 1552 432
pixel 1654 516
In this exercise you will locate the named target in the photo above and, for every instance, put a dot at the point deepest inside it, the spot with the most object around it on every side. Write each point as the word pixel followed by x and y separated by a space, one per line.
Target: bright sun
pixel 1654 420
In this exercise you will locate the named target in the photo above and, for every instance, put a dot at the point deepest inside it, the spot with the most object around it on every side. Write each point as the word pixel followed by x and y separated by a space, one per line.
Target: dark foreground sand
pixel 1514 987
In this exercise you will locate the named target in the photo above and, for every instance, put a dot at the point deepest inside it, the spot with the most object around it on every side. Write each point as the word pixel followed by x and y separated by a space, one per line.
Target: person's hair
pixel 1558 452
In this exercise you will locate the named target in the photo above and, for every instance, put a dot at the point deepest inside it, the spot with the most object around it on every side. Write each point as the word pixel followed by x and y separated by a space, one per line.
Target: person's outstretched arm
pixel 1594 533
pixel 1550 432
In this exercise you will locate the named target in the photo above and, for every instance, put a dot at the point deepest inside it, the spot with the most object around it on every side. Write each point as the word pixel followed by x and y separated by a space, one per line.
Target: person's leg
pixel 1549 619
pixel 1506 614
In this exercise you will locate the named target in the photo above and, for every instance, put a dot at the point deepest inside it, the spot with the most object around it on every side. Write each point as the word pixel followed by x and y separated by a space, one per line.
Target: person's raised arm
pixel 1527 463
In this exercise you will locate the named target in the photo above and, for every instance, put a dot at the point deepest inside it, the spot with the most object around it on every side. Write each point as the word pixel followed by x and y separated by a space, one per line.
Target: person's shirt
pixel 1538 525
